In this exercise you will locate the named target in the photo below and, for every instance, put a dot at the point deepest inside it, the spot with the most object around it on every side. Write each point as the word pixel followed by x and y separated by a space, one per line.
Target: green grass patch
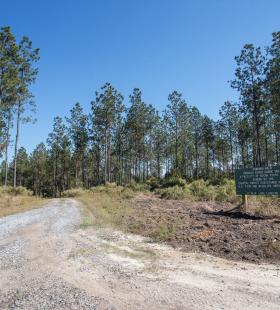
pixel 105 207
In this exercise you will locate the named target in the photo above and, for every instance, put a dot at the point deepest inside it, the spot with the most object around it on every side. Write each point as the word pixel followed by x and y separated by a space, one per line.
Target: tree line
pixel 123 143
pixel 17 74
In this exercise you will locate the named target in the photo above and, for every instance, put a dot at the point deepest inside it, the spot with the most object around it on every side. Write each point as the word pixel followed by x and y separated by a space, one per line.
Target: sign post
pixel 245 202
pixel 257 181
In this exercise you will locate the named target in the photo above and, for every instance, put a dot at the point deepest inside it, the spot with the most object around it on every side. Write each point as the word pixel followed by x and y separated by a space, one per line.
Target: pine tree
pixel 9 80
pixel 79 135
pixel 196 120
pixel 249 82
pixel 106 110
pixel 273 85
pixel 56 142
pixel 39 159
pixel 177 117
pixel 27 56
pixel 229 119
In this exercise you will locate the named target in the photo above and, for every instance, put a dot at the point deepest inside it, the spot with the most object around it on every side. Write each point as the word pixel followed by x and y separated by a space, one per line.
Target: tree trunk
pixel 158 162
pixel 207 161
pixel 276 148
pixel 7 147
pixel 16 144
pixel 231 152
pixel 105 168
pixel 196 160
pixel 109 156
pixel 76 172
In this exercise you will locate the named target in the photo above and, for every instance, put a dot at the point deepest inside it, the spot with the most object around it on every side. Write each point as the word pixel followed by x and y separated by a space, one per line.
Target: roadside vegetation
pixel 176 188
pixel 104 205
pixel 19 199
pixel 200 219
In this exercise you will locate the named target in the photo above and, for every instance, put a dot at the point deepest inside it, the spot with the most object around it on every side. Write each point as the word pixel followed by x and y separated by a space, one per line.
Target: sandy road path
pixel 48 262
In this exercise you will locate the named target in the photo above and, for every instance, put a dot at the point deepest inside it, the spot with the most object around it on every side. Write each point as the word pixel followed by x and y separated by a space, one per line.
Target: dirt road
pixel 48 262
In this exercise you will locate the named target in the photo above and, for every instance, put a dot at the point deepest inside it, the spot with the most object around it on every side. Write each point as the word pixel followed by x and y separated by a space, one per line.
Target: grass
pixel 111 206
pixel 105 206
pixel 265 206
pixel 163 232
pixel 17 200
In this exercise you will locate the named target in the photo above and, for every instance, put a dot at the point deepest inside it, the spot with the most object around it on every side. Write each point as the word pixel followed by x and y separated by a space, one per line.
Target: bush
pixel 175 192
pixel 174 181
pixel 18 191
pixel 111 185
pixel 226 191
pixel 202 190
pixel 153 183
pixel 107 188
pixel 124 192
pixel 138 187
pixel 127 193
pixel 74 192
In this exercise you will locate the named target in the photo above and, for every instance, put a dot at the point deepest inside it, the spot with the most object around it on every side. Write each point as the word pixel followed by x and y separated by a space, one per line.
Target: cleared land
pixel 48 262
pixel 190 226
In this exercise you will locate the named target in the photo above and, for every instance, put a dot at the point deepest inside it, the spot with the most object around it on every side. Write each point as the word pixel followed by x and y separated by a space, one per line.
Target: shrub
pixel 153 183
pixel 226 191
pixel 74 192
pixel 127 193
pixel 18 191
pixel 174 181
pixel 107 188
pixel 124 192
pixel 175 192
pixel 111 185
pixel 99 189
pixel 202 190
pixel 138 187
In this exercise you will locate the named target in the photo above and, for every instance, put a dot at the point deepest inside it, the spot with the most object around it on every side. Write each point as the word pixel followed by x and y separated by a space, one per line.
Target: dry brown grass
pixel 265 206
pixel 11 204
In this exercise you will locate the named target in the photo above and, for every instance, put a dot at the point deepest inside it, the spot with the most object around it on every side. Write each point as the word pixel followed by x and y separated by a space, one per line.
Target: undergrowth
pixel 19 199
pixel 201 190
pixel 104 205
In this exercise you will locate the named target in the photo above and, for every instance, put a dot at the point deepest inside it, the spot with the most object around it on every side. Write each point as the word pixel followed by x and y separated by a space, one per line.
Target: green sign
pixel 258 181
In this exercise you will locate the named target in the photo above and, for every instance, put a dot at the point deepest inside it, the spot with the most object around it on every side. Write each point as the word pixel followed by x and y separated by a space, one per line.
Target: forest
pixel 125 142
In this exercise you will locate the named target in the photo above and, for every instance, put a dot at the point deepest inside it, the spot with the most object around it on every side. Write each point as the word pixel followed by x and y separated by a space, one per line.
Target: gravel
pixel 52 293
pixel 48 262
pixel 11 254
pixel 27 285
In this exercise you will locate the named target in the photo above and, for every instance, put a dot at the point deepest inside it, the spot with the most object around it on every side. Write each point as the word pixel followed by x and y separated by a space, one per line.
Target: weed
pixel 163 232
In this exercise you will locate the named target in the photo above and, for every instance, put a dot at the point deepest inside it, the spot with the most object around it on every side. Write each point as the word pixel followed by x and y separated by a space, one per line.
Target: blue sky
pixel 156 45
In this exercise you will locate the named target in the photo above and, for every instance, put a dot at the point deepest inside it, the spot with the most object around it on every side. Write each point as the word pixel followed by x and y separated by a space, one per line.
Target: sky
pixel 155 45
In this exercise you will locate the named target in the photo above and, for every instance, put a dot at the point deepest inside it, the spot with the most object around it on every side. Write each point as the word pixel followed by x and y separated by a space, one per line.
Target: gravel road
pixel 48 262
